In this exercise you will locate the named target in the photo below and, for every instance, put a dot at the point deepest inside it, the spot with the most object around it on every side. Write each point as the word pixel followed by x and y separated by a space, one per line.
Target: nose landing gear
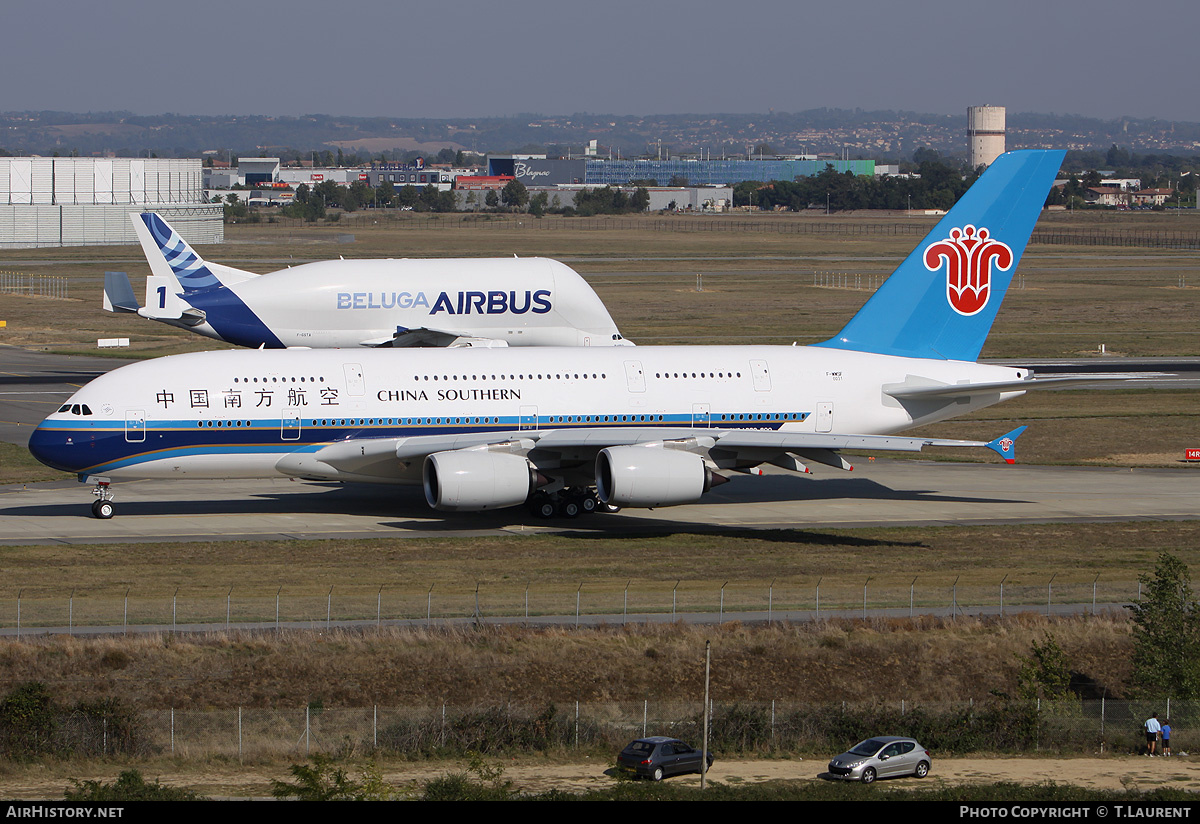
pixel 103 507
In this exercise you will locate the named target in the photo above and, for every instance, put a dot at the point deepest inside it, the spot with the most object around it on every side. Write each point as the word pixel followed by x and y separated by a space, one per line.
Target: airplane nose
pixel 56 448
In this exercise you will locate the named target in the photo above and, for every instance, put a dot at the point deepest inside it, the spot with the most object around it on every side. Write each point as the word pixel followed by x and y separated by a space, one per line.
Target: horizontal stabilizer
pixel 903 391
pixel 118 293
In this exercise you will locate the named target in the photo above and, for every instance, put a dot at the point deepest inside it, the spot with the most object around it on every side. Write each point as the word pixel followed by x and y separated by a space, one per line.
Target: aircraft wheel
pixel 103 510
pixel 542 506
pixel 588 503
pixel 569 508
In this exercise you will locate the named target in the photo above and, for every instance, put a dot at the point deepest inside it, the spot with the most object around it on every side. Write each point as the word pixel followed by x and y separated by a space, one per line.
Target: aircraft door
pixel 825 416
pixel 135 426
pixel 529 417
pixel 356 384
pixel 761 375
pixel 701 416
pixel 635 378
pixel 289 426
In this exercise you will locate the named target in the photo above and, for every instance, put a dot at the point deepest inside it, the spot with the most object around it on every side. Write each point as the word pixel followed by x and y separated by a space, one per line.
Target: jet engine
pixel 472 480
pixel 643 476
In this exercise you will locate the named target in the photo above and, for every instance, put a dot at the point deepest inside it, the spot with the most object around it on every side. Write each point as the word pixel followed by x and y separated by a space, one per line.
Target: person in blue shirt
pixel 1166 737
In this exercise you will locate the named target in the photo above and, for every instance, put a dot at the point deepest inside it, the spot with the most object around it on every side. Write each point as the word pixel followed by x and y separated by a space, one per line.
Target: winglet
pixel 1006 445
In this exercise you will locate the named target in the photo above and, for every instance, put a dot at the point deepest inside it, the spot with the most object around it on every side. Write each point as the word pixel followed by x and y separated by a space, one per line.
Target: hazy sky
pixel 475 59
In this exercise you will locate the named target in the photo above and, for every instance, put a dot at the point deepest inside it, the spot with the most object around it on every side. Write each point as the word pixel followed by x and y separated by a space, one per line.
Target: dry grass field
pixel 810 662
pixel 758 285
pixel 758 288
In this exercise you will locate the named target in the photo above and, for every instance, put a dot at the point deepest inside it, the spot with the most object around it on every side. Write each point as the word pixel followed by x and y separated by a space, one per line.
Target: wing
pixel 425 336
pixel 568 457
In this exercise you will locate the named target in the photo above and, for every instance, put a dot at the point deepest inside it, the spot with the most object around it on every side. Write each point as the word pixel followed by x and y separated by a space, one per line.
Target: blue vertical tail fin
pixel 172 257
pixel 941 301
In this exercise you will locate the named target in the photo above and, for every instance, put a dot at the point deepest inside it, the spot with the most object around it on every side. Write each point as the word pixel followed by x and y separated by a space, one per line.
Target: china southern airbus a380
pixel 643 427
pixel 344 303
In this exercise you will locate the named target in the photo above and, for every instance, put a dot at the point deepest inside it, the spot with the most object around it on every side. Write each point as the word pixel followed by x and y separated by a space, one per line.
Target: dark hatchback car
pixel 658 756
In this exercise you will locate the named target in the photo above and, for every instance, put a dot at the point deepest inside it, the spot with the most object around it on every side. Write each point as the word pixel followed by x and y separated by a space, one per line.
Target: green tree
pixel 1166 632
pixel 491 200
pixel 640 200
pixel 515 194
pixel 1044 672
pixel 28 720
pixel 408 196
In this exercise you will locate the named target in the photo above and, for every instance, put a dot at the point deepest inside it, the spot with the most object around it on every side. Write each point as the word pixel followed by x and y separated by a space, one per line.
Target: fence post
pixel 240 735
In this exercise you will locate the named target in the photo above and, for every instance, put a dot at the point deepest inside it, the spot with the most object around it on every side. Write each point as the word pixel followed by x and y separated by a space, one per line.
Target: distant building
pixel 985 134
pixel 1151 197
pixel 74 201
pixel 533 170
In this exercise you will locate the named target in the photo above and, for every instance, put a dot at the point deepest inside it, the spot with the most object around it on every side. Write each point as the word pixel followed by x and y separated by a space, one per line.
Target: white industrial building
pixel 75 201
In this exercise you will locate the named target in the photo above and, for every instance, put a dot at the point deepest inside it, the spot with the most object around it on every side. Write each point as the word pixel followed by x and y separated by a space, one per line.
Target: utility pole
pixel 704 744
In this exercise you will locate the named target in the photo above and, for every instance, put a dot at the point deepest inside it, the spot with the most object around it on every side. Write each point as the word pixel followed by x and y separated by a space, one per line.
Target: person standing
pixel 1166 736
pixel 1153 728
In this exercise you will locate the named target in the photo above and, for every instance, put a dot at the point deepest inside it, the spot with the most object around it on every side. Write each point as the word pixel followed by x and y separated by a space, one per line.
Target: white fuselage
pixel 237 413
pixel 346 303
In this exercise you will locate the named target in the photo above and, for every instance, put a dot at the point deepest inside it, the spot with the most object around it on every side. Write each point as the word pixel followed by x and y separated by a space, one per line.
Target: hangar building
pixel 536 170
pixel 76 201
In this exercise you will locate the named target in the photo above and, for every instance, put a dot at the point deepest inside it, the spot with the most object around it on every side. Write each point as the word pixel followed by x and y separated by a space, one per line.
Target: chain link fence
pixel 44 610
pixel 45 286
pixel 1069 236
pixel 745 728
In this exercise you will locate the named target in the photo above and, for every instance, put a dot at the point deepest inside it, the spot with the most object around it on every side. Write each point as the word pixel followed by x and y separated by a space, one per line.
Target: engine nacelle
pixel 472 480
pixel 643 476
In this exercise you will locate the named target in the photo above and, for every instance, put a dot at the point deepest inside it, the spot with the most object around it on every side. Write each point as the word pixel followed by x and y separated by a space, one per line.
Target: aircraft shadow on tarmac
pixel 50 378
pixel 392 502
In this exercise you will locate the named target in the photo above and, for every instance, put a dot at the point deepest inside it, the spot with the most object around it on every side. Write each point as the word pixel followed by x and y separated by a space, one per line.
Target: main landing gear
pixel 103 507
pixel 567 503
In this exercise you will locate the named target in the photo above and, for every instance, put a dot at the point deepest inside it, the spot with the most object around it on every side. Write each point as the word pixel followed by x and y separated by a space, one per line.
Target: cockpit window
pixel 87 409
pixel 76 408
pixel 66 407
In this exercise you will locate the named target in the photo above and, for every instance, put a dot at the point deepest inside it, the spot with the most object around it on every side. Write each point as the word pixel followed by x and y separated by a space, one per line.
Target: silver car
pixel 882 757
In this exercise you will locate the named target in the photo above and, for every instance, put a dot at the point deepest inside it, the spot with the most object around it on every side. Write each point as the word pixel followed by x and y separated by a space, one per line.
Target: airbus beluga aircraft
pixel 345 303
pixel 565 430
